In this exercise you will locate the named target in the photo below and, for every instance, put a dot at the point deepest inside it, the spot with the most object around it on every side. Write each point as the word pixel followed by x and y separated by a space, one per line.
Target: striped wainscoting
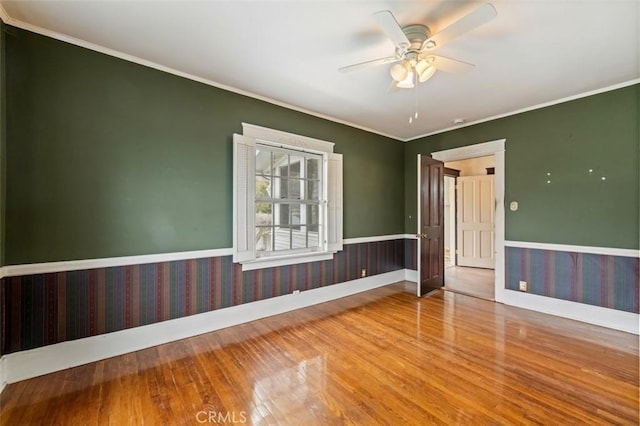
pixel 411 254
pixel 39 310
pixel 595 279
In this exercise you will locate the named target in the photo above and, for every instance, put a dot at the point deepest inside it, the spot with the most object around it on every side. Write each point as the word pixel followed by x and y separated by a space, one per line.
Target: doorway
pixel 470 226
pixel 497 149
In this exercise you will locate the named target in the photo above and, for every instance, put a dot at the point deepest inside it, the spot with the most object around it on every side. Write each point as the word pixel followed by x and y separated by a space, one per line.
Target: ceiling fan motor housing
pixel 417 35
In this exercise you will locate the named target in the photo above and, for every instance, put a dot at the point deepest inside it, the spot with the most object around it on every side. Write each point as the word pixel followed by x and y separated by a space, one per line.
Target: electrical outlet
pixel 363 273
pixel 523 286
pixel 296 291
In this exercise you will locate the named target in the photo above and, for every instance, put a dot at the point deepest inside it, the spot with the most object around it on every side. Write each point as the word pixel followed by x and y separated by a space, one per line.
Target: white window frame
pixel 244 197
pixel 321 201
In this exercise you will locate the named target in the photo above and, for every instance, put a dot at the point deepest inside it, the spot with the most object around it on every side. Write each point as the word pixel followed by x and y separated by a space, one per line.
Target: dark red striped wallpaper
pixel 39 310
pixel 595 279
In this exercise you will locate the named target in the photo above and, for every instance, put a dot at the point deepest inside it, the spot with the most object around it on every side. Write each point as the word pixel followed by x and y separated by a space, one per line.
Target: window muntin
pixel 289 209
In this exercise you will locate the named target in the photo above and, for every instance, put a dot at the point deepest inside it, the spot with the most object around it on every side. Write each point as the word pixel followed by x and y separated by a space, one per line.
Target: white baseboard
pixel 605 317
pixel 3 378
pixel 411 275
pixel 47 359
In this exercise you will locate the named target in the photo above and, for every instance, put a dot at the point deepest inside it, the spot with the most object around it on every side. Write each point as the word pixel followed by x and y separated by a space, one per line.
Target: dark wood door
pixel 431 236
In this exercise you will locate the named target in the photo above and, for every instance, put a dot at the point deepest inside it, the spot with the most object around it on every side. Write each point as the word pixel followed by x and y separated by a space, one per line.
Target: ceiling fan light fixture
pixel 425 70
pixel 399 71
pixel 407 83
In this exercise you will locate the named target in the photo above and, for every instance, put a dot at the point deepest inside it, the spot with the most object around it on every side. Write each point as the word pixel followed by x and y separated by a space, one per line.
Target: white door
pixel 476 221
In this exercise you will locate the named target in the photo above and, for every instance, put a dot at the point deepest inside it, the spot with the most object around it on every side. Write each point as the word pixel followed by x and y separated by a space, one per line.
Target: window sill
pixel 270 262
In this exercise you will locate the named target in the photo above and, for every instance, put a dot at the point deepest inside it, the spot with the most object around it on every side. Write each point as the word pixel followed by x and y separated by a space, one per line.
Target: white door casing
pixel 497 148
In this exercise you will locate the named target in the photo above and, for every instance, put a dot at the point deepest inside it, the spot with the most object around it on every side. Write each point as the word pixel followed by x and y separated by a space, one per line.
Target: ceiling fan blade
pixel 391 28
pixel 368 64
pixel 393 87
pixel 478 17
pixel 449 65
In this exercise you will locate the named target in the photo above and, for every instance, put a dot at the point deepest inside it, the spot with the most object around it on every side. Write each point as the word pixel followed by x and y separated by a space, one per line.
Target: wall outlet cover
pixel 523 285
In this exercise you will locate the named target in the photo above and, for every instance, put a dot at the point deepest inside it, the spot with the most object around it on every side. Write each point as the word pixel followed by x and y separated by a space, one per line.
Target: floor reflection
pixel 296 385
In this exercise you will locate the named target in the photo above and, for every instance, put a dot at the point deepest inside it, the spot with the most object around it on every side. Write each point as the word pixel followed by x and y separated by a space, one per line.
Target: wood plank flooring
pixel 380 357
pixel 476 282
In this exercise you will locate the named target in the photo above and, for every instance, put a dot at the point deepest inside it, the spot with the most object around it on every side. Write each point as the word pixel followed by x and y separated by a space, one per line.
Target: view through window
pixel 288 207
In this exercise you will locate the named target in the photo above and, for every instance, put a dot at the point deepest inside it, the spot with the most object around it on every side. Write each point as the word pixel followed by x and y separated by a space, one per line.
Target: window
pixel 287 198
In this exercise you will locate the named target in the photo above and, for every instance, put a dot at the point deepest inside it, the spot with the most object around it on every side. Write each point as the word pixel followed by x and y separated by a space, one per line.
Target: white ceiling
pixel 534 52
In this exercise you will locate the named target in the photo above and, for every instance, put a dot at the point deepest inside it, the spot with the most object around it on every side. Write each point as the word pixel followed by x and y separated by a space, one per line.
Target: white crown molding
pixel 23 365
pixel 531 108
pixel 609 251
pixel 131 58
pixel 597 315
pixel 111 52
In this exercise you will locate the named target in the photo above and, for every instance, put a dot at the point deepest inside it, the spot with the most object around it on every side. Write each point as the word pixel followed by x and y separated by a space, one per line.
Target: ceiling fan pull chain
pixel 416 85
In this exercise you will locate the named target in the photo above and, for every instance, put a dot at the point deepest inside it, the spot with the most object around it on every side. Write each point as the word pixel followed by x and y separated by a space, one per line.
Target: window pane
pixel 288 191
pixel 295 214
pixel 313 165
pixel 282 214
pixel 313 190
pixel 281 163
pixel 263 162
pixel 295 189
pixel 282 238
pixel 294 165
pixel 313 236
pixel 263 187
pixel 264 214
pixel 283 188
pixel 313 214
pixel 299 238
pixel 264 238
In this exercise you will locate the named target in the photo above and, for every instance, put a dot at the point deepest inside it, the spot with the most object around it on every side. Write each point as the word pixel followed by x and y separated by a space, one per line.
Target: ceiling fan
pixel 413 60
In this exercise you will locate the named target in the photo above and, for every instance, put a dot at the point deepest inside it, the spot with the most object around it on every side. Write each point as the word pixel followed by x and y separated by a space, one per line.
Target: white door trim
pixel 418 245
pixel 496 148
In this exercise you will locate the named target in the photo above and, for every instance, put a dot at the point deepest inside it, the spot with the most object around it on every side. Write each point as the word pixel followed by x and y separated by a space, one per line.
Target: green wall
pixel 110 158
pixel 599 132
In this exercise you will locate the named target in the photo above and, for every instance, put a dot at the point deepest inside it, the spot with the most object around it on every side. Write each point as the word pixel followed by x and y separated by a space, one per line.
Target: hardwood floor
pixel 476 282
pixel 383 356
